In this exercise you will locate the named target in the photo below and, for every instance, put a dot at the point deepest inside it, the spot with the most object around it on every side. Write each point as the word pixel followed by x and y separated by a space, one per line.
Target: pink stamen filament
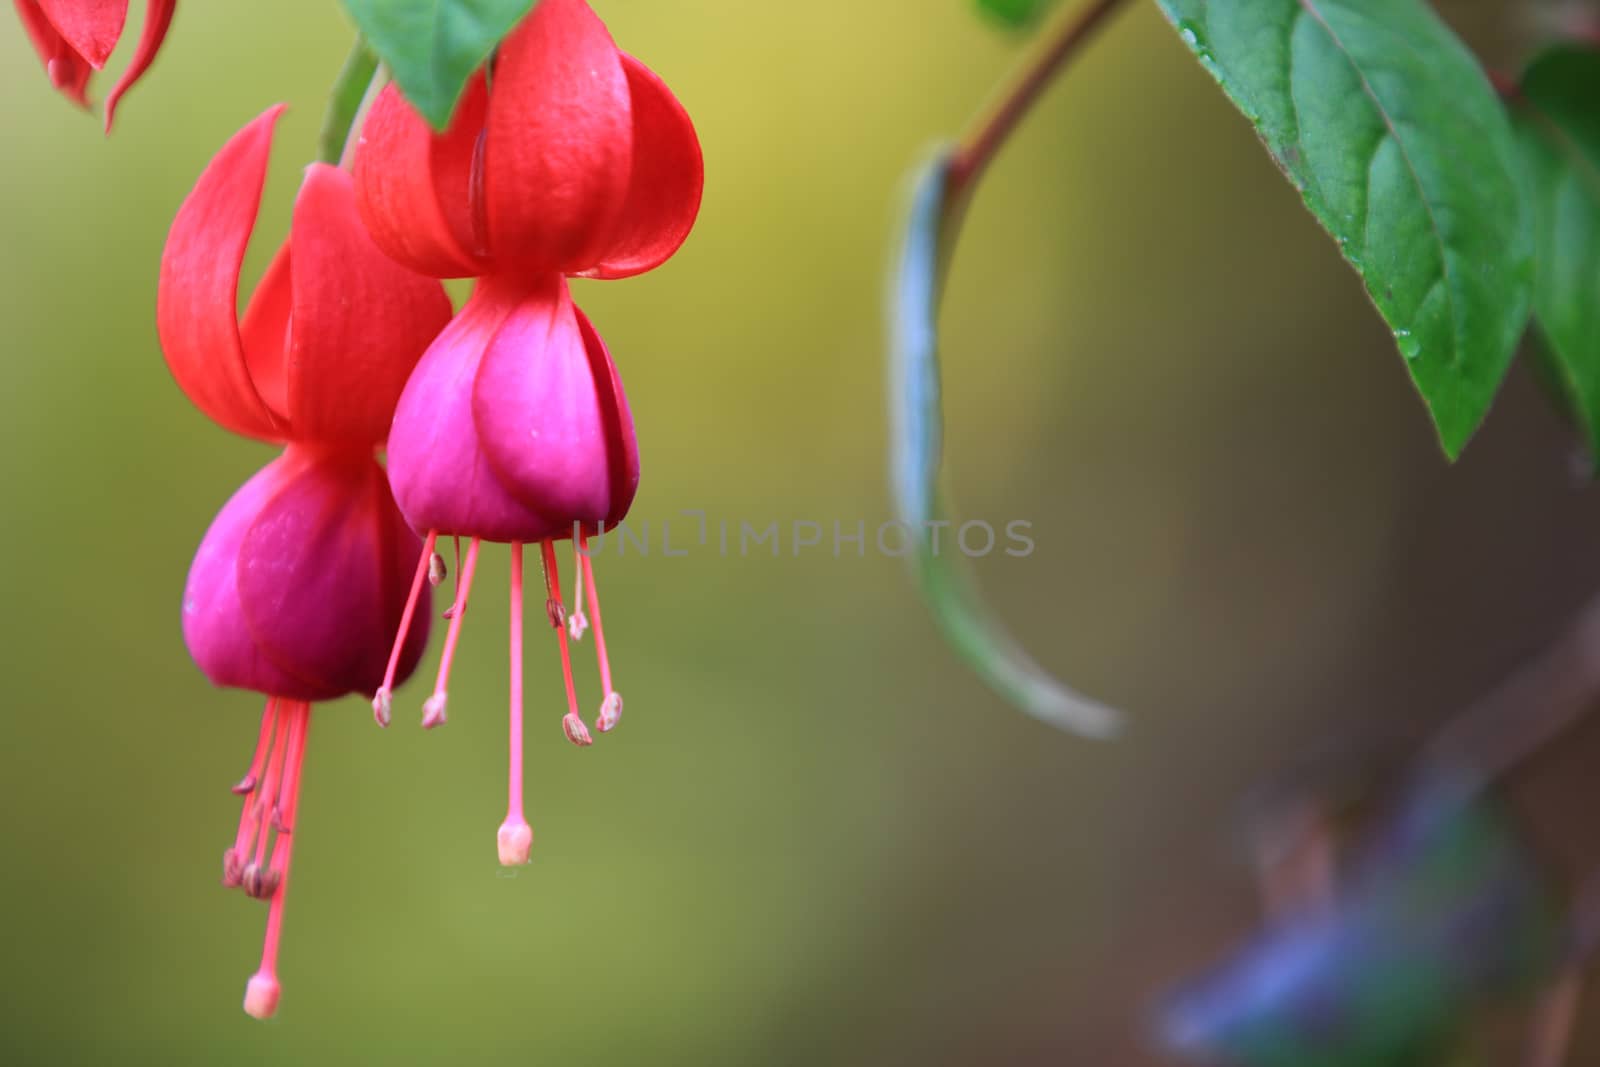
pixel 261 993
pixel 266 796
pixel 434 709
pixel 450 612
pixel 381 704
pixel 248 782
pixel 234 859
pixel 576 731
pixel 577 621
pixel 515 837
pixel 611 709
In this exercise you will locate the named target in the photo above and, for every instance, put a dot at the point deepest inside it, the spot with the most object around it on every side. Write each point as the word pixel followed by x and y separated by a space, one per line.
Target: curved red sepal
pixel 551 416
pixel 560 141
pixel 665 184
pixel 157 20
pixel 413 187
pixel 67 71
pixel 264 331
pixel 91 28
pixel 197 301
pixel 359 320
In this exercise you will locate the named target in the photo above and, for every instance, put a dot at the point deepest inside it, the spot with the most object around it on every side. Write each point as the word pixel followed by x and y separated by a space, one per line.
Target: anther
pixel 437 572
pixel 232 868
pixel 577 624
pixel 557 613
pixel 382 707
pixel 243 786
pixel 610 713
pixel 433 711
pixel 575 730
pixel 260 882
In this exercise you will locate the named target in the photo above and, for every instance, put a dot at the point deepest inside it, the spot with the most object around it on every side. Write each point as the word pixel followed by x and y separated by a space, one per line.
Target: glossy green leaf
pixel 1015 13
pixel 1559 125
pixel 915 447
pixel 431 47
pixel 1389 128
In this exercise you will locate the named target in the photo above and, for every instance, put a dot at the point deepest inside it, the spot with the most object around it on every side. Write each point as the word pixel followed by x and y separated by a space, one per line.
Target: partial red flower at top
pixel 74 38
pixel 303 573
pixel 568 157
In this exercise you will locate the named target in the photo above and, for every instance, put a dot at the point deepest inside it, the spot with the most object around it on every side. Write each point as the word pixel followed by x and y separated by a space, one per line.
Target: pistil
pixel 515 837
pixel 294 721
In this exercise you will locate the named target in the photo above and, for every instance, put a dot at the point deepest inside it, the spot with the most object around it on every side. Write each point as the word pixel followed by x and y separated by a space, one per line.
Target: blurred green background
pixel 816 839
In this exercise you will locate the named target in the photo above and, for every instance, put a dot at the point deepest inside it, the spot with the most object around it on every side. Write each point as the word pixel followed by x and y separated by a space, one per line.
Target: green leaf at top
pixel 1559 125
pixel 1390 130
pixel 1015 13
pixel 431 47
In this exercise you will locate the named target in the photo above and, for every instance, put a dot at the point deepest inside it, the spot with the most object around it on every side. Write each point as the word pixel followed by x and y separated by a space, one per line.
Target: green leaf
pixel 1390 130
pixel 1015 13
pixel 431 47
pixel 1559 127
pixel 915 447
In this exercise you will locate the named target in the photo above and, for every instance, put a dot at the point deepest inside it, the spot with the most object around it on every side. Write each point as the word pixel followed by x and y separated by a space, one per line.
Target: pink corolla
pixel 568 158
pixel 307 567
pixel 74 38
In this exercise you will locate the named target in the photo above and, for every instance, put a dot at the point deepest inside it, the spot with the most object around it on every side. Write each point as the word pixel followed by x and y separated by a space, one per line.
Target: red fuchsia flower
pixel 74 38
pixel 311 559
pixel 572 159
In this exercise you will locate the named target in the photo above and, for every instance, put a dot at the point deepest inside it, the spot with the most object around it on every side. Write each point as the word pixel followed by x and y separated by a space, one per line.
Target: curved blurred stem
pixel 344 101
pixel 988 134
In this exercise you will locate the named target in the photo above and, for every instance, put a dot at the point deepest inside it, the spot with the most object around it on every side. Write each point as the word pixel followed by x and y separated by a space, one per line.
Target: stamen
pixel 450 612
pixel 572 724
pixel 244 785
pixel 235 859
pixel 262 992
pixel 611 707
pixel 266 797
pixel 433 710
pixel 577 622
pixel 383 700
pixel 515 838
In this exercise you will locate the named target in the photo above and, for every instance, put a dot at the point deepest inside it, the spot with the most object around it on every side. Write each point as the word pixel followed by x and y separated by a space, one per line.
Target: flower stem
pixel 988 134
pixel 349 89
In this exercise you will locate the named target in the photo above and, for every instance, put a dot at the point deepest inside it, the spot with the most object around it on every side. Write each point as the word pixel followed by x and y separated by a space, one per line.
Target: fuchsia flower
pixel 303 573
pixel 572 159
pixel 74 38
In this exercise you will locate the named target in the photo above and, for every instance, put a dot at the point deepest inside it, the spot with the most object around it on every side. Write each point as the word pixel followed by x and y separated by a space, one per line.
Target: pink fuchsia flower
pixel 573 159
pixel 311 558
pixel 74 38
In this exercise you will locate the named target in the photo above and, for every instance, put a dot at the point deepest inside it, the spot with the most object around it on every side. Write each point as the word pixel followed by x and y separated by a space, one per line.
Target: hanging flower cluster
pixel 74 38
pixel 505 422
pixel 567 158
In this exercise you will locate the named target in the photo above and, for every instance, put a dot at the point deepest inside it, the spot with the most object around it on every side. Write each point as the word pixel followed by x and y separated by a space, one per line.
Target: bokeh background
pixel 816 839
